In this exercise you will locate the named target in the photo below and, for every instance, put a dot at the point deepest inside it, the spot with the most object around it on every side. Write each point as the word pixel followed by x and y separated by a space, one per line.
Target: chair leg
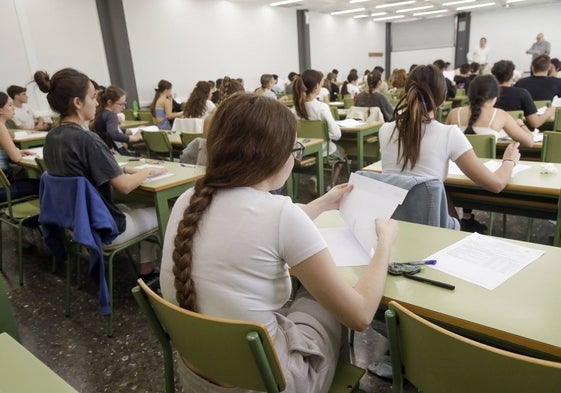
pixel 1 250
pixel 110 285
pixel 529 228
pixel 491 222
pixel 20 256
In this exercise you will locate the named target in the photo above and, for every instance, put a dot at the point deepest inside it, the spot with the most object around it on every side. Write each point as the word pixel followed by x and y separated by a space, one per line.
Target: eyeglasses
pixel 298 151
pixel 123 104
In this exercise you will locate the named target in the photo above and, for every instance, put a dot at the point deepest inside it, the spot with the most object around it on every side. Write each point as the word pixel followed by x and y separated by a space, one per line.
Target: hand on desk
pixel 27 153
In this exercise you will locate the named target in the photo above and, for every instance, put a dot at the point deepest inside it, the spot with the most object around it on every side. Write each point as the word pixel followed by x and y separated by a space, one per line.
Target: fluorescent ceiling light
pixel 275 4
pixel 361 16
pixel 396 4
pixel 458 2
pixel 378 13
pixel 429 12
pixel 358 1
pixel 468 7
pixel 514 1
pixel 389 18
pixel 348 11
pixel 406 20
pixel 415 8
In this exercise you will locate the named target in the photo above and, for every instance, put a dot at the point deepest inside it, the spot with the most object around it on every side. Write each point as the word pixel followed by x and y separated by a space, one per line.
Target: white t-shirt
pixel 23 117
pixel 320 111
pixel 208 109
pixel 440 143
pixel 353 89
pixel 247 240
pixel 323 93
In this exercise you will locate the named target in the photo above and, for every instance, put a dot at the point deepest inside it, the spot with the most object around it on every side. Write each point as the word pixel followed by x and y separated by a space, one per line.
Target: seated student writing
pixel 9 152
pixel 416 144
pixel 230 244
pixel 70 150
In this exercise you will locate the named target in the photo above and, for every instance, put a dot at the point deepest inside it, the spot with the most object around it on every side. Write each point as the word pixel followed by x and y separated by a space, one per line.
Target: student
pixel 371 97
pixel 261 236
pixel 450 86
pixel 306 107
pixel 199 105
pixel 463 79
pixel 330 84
pixel 70 150
pixel 228 87
pixel 513 98
pixel 481 118
pixel 161 107
pixel 418 145
pixel 195 152
pixel 350 86
pixel 9 152
pixel 112 100
pixel 23 117
pixel 267 83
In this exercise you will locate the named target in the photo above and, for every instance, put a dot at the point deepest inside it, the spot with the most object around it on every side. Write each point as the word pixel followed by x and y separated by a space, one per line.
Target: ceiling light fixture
pixel 378 13
pixel 415 9
pixel 361 16
pixel 458 2
pixel 358 1
pixel 468 7
pixel 429 12
pixel 514 1
pixel 388 18
pixel 396 4
pixel 348 11
pixel 276 4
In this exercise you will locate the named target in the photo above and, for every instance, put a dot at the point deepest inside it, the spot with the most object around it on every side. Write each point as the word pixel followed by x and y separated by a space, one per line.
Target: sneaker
pixel 472 225
pixel 152 277
pixel 382 368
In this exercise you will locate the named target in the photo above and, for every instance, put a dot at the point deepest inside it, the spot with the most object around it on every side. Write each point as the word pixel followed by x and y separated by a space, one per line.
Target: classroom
pixel 61 334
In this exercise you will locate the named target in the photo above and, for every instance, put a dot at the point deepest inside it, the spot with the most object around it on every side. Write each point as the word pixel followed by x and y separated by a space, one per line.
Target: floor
pixel 78 349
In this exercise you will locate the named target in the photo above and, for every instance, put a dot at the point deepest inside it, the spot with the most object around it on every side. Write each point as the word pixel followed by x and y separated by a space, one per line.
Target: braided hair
pixel 243 132
pixel 481 89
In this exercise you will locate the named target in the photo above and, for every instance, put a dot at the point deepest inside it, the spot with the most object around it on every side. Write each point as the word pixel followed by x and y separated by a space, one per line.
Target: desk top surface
pixel 21 371
pixel 362 127
pixel 529 180
pixel 28 135
pixel 526 309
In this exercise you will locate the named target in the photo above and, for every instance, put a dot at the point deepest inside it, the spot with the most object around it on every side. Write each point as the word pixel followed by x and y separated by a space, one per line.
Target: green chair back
pixel 484 146
pixel 232 352
pixel 460 92
pixel 516 114
pixel 557 121
pixel 146 116
pixel 7 320
pixel 437 360
pixel 129 114
pixel 157 144
pixel 551 147
pixel 541 103
pixel 313 129
pixel 11 125
pixel 188 137
pixel 348 101
pixel 334 112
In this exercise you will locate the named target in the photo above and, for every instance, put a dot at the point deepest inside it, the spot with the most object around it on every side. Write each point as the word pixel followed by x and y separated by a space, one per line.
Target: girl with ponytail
pixel 230 243
pixel 416 144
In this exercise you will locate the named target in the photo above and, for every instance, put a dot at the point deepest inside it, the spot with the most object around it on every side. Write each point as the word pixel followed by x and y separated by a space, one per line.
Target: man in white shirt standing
pixel 23 117
pixel 480 54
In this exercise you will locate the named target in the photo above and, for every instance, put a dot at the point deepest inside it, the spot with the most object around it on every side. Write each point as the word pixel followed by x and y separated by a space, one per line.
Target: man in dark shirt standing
pixel 541 86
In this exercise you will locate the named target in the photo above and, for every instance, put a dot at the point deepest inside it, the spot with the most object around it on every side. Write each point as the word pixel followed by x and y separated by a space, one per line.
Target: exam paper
pixel 556 101
pixel 135 130
pixel 350 123
pixel 38 153
pixel 369 199
pixel 157 177
pixel 483 260
pixel 492 165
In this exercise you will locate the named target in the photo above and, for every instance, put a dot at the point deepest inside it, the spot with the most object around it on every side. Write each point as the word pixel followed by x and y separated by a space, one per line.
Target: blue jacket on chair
pixel 73 203
pixel 425 203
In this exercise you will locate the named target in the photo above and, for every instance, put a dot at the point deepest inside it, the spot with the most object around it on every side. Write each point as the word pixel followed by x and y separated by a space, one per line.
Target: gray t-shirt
pixel 71 150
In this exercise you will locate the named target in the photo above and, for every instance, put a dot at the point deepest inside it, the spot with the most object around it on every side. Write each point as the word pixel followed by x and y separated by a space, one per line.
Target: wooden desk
pixel 522 314
pixel 353 140
pixel 30 139
pixel 133 123
pixel 312 147
pixel 164 190
pixel 21 372
pixel 528 193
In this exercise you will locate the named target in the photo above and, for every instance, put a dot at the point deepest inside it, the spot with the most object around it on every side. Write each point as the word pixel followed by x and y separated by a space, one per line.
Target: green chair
pixel 7 320
pixel 541 103
pixel 11 125
pixel 460 92
pixel 443 110
pixel 557 121
pixel 158 144
pixel 348 101
pixel 187 137
pixel 437 360
pixel 129 114
pixel 484 146
pixel 551 147
pixel 334 112
pixel 516 114
pixel 17 213
pixel 238 353
pixel 147 117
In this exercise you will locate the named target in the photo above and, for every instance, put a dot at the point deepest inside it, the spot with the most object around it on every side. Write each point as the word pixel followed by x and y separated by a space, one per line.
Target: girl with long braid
pixel 416 144
pixel 230 244
pixel 371 97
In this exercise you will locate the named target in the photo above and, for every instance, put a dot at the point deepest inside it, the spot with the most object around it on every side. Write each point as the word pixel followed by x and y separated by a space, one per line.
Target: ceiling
pixel 384 10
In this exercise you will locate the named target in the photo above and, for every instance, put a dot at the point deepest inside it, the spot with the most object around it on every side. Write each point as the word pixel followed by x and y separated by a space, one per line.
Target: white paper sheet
pixel 556 101
pixel 483 260
pixel 350 123
pixel 38 153
pixel 157 177
pixel 135 130
pixel 344 247
pixel 369 199
pixel 492 165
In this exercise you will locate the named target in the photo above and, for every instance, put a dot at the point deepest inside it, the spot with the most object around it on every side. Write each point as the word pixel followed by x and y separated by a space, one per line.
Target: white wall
pixel 50 35
pixel 405 59
pixel 185 41
pixel 344 43
pixel 511 31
